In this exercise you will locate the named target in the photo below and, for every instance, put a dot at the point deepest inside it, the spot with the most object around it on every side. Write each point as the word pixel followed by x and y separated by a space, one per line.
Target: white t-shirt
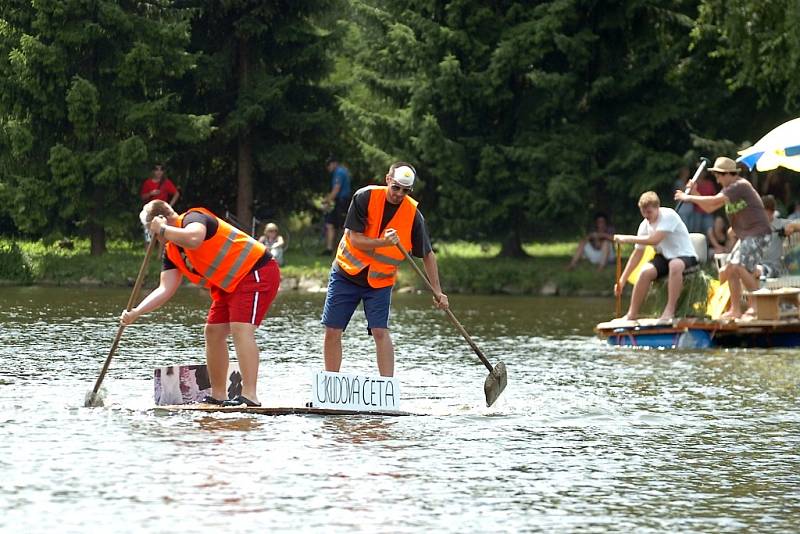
pixel 676 242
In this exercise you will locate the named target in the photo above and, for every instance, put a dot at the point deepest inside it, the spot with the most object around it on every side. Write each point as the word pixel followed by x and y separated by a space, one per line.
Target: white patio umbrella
pixel 779 148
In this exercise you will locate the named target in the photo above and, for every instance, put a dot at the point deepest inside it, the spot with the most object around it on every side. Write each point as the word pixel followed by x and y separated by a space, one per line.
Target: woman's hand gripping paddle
pixel 93 398
pixel 496 381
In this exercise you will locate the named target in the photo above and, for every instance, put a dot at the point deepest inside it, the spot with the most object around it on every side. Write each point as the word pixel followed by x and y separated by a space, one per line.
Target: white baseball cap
pixel 404 176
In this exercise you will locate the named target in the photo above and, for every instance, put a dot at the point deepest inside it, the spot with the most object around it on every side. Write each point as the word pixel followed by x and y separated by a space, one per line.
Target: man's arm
pixel 169 283
pixel 432 271
pixel 654 239
pixel 360 241
pixel 146 195
pixel 706 203
pixel 190 237
pixel 332 195
pixel 633 261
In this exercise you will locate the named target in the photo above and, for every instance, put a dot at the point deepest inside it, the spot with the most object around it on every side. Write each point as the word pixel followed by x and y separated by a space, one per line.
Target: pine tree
pixel 261 74
pixel 85 103
pixel 522 114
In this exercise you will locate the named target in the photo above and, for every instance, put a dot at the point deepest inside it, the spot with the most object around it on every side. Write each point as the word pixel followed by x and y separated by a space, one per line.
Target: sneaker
pixel 239 400
pixel 208 399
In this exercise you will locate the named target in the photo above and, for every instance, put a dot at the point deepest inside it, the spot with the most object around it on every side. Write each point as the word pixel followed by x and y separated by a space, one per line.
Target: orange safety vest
pixel 221 261
pixel 382 262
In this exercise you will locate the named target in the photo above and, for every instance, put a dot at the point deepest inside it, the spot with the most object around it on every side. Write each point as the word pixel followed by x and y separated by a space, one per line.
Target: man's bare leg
pixel 217 358
pixel 332 349
pixel 385 350
pixel 646 277
pixel 674 287
pixel 735 285
pixel 244 340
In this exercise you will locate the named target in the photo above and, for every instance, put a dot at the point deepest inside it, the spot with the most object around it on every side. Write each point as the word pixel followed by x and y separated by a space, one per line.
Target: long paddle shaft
pixel 690 183
pixel 452 317
pixel 136 287
pixel 618 306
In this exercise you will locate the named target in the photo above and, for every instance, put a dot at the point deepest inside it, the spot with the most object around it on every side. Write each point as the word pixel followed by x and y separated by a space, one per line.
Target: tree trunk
pixel 512 246
pixel 244 191
pixel 97 232
pixel 97 235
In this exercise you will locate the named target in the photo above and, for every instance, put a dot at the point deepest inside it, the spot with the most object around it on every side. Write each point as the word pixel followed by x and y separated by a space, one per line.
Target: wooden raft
pixel 271 410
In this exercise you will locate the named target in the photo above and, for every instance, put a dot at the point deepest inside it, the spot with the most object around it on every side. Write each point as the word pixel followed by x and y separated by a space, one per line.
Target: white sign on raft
pixel 339 391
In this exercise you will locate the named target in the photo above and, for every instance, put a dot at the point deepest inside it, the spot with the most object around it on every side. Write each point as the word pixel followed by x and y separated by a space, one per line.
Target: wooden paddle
pixel 92 399
pixel 618 306
pixel 496 382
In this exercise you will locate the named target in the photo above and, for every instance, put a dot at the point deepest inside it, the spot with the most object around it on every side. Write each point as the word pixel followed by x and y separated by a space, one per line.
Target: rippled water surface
pixel 586 437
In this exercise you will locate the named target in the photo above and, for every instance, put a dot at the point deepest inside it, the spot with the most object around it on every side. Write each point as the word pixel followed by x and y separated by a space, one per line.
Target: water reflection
pixel 586 437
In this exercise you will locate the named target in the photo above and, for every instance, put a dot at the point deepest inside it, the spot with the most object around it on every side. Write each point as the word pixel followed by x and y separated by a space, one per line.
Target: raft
pixel 273 410
pixel 692 333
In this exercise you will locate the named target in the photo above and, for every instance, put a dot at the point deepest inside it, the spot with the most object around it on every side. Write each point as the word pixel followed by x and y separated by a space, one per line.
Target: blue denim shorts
pixel 343 299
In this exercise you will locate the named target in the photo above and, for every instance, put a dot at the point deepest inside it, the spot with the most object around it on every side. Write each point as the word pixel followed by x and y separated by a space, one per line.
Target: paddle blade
pixel 495 383
pixel 95 400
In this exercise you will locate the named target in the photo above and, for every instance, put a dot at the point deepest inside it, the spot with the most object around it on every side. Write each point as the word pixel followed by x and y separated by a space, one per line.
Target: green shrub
pixel 13 265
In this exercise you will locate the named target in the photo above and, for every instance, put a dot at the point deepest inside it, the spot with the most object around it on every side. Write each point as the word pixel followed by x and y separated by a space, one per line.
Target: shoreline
pixel 319 285
pixel 464 268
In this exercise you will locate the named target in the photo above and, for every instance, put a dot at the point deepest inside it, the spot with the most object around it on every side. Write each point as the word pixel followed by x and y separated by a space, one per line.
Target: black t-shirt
pixel 357 222
pixel 212 226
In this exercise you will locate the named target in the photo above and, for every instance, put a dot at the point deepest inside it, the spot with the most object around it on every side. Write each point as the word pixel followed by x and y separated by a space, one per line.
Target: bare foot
pixel 570 267
pixel 748 315
pixel 730 315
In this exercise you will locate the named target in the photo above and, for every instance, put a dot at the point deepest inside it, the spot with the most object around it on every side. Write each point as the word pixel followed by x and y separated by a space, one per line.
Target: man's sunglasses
pixel 406 190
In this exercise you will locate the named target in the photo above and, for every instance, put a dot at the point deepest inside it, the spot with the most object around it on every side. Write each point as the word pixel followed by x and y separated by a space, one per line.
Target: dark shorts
pixel 337 215
pixel 343 299
pixel 662 264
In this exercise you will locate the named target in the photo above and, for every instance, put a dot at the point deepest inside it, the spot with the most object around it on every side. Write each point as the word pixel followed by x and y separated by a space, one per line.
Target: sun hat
pixel 404 175
pixel 723 164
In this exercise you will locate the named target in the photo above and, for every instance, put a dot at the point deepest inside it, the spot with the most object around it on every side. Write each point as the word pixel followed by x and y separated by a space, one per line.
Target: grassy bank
pixel 464 268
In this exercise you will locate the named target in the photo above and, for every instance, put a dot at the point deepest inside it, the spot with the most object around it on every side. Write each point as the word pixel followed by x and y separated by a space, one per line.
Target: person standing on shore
pixel 365 268
pixel 749 221
pixel 240 273
pixel 159 187
pixel 336 202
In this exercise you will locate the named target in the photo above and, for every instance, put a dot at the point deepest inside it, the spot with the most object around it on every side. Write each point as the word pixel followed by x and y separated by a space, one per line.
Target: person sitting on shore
pixel 274 242
pixel 596 246
pixel 663 229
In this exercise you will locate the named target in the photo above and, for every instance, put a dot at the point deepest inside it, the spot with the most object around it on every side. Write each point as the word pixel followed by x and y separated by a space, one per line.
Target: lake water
pixel 586 437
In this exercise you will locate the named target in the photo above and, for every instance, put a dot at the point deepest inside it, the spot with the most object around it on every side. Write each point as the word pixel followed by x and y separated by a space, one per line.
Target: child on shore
pixel 274 242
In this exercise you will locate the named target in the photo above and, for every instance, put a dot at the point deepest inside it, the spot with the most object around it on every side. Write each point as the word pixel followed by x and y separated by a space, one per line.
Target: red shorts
pixel 249 302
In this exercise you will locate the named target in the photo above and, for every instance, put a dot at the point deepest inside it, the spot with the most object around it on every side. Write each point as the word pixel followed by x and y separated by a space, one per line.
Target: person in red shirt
pixel 159 187
pixel 703 221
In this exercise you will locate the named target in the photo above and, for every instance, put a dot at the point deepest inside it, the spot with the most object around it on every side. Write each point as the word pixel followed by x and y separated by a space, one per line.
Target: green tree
pixel 758 46
pixel 523 116
pixel 85 101
pixel 261 71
